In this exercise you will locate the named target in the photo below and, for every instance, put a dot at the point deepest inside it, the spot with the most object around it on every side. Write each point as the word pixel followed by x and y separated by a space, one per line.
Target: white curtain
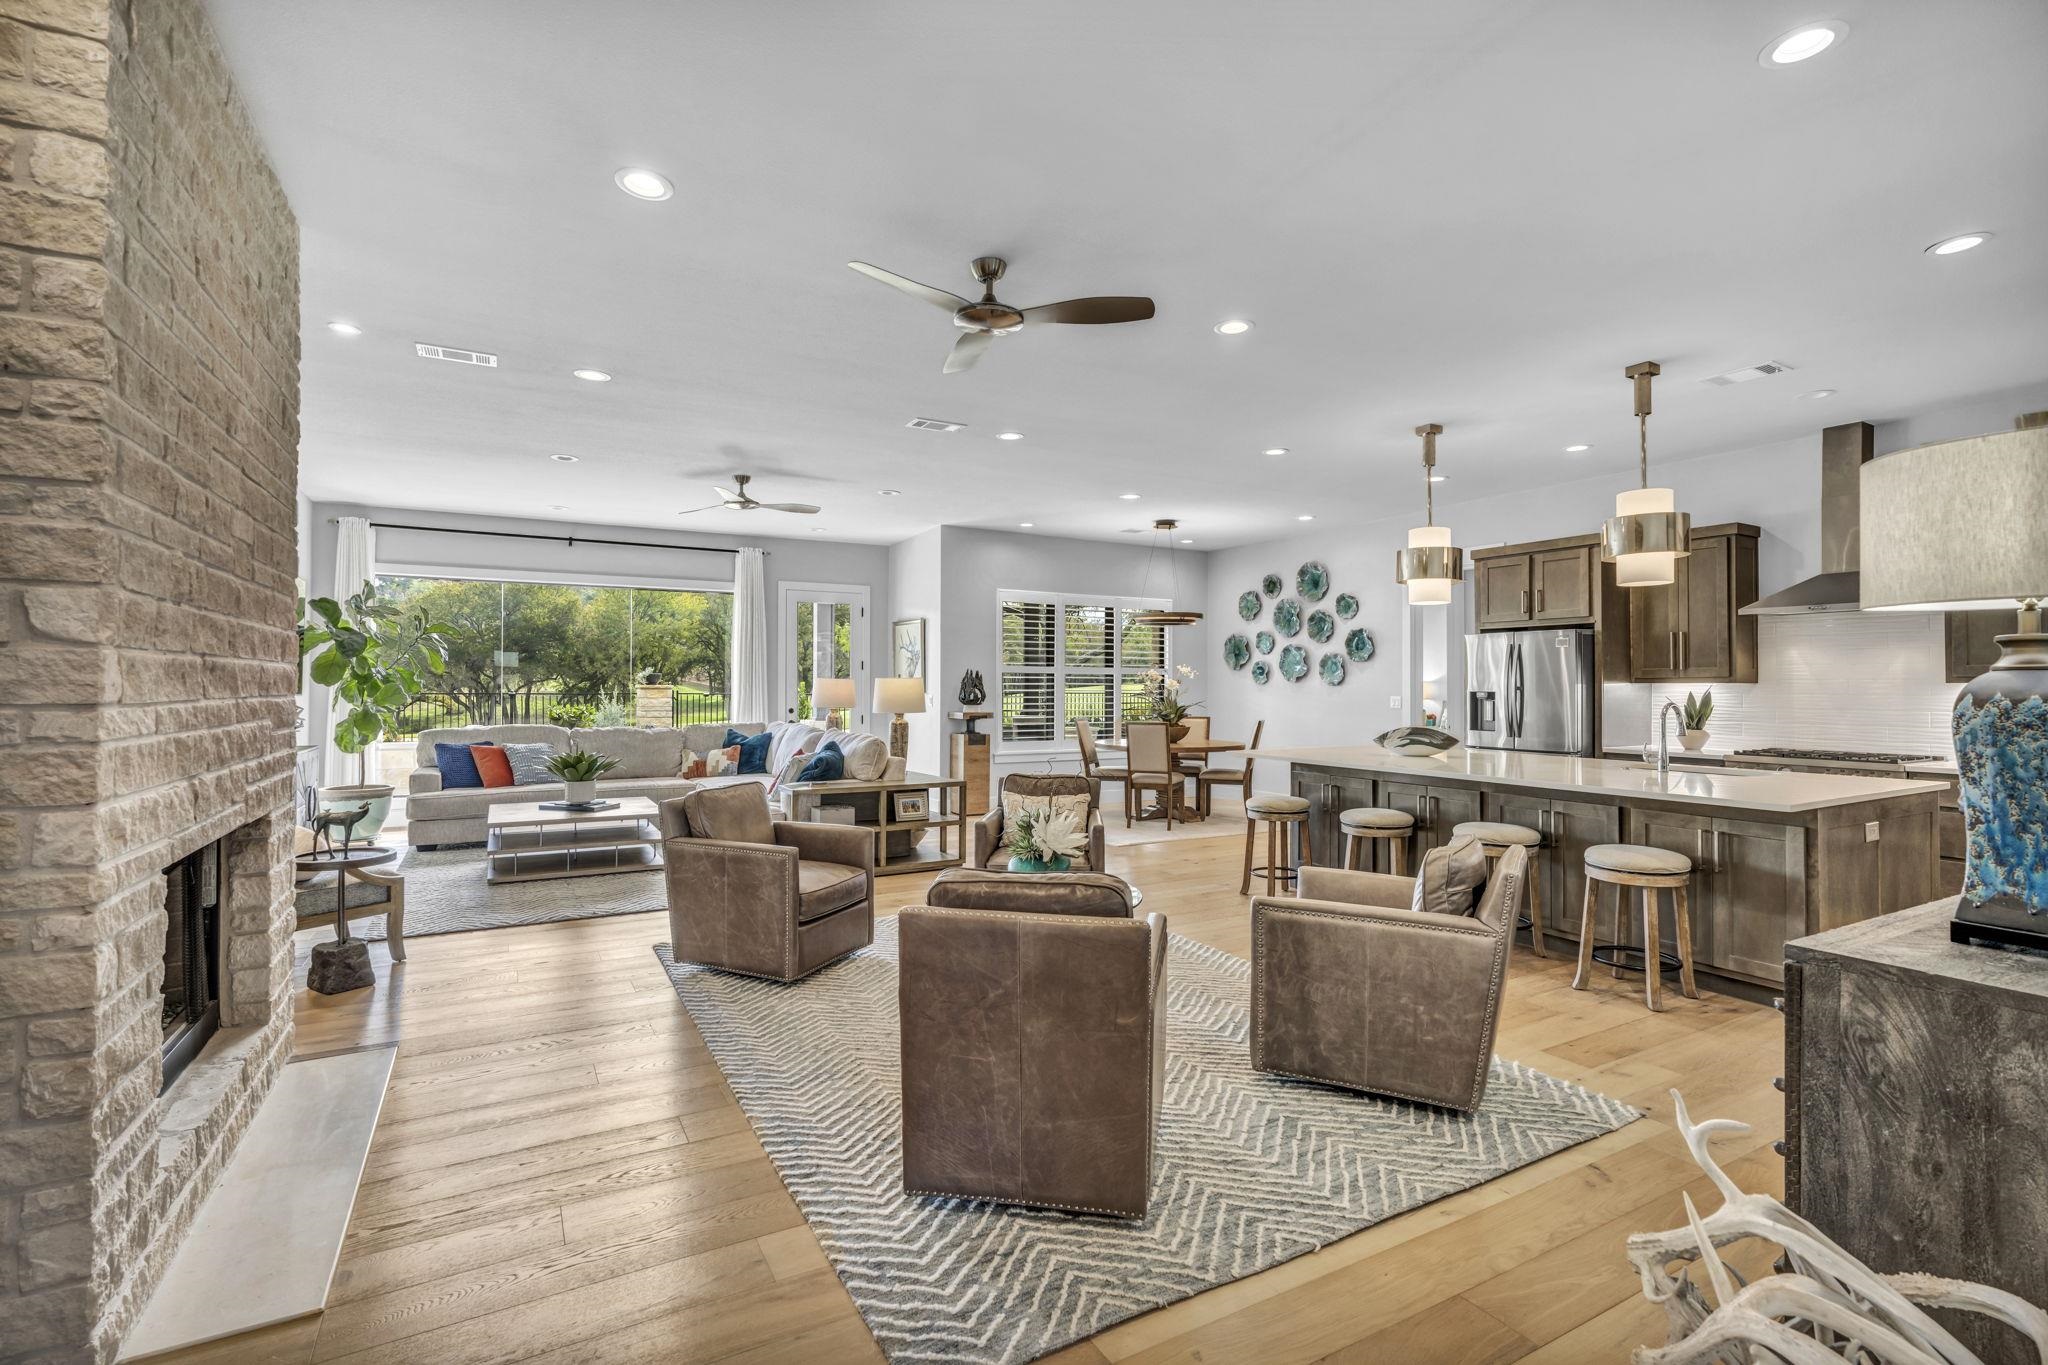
pixel 355 565
pixel 749 670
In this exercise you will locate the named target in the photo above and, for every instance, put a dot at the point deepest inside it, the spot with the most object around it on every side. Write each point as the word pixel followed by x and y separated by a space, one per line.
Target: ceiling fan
pixel 986 318
pixel 740 500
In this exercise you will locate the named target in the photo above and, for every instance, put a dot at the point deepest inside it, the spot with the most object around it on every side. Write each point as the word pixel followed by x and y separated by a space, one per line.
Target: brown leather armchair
pixel 1353 988
pixel 763 897
pixel 991 848
pixel 1033 1056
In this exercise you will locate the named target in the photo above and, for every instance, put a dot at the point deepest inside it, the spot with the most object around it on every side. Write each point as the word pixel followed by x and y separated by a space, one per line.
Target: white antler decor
pixel 1830 1308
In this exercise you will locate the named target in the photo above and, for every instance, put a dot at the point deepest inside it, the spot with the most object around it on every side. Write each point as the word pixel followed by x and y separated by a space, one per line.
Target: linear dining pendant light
pixel 1168 615
pixel 1431 566
pixel 1647 533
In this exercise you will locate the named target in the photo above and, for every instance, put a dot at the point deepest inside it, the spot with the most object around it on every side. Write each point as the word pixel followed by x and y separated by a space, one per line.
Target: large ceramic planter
pixel 1692 741
pixel 378 794
pixel 581 793
pixel 1039 864
pixel 1176 733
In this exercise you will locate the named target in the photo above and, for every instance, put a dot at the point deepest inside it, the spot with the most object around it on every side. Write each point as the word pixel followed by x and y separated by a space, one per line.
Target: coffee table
pixel 528 843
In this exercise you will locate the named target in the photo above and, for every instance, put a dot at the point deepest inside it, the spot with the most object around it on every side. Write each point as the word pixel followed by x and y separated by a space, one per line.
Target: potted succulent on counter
pixel 579 770
pixel 1697 711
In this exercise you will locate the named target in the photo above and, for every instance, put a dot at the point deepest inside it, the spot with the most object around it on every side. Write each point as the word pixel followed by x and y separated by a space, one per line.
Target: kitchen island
pixel 1776 855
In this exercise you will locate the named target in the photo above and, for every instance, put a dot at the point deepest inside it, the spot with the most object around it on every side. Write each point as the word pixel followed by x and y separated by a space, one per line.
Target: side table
pixel 344 965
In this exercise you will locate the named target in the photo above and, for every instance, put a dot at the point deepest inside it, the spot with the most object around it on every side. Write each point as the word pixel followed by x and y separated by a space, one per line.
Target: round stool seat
pixel 1639 859
pixel 1499 835
pixel 1273 803
pixel 1375 817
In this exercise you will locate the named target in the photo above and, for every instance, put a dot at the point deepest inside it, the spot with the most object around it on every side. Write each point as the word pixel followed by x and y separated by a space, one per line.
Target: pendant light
pixel 1647 533
pixel 1163 530
pixel 1431 566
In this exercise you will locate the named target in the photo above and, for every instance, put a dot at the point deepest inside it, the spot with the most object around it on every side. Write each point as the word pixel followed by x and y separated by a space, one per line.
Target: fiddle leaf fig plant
pixel 373 657
pixel 1698 709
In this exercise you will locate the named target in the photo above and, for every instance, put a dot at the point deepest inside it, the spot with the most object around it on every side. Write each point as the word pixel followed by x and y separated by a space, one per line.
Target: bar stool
pixel 1277 812
pixel 1497 838
pixel 1650 870
pixel 1362 824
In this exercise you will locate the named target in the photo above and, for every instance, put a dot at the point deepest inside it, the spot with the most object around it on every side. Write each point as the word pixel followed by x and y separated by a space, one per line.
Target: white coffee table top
pixel 526 814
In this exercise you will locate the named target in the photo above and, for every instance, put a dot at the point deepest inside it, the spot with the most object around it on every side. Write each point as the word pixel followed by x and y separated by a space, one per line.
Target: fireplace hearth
pixel 191 990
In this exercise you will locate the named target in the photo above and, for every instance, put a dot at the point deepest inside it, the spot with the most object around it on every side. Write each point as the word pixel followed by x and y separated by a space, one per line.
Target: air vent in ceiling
pixel 934 424
pixel 456 354
pixel 1747 373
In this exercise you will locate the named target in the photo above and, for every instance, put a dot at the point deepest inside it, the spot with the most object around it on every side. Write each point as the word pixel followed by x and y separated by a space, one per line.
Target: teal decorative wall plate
pixel 1287 617
pixel 1358 644
pixel 1312 580
pixel 1294 663
pixel 1260 672
pixel 1237 651
pixel 1332 668
pixel 1266 642
pixel 1347 605
pixel 1273 584
pixel 1321 626
pixel 1249 604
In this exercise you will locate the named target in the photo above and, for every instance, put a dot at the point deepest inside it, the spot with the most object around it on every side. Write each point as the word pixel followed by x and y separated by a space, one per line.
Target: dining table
pixel 1178 749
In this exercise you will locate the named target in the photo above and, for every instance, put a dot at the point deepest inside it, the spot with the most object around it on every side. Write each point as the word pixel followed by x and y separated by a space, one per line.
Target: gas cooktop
pixel 1834 756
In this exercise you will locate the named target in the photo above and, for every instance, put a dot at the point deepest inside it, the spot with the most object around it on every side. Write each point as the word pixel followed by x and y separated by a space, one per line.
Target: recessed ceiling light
pixel 594 376
pixel 557 507
pixel 889 492
pixel 643 184
pixel 1128 497
pixel 1437 478
pixel 1305 516
pixel 1027 525
pixel 347 329
pixel 1187 540
pixel 1819 393
pixel 1274 450
pixel 1949 246
pixel 1009 436
pixel 1808 40
pixel 1231 327
pixel 563 459
pixel 1574 450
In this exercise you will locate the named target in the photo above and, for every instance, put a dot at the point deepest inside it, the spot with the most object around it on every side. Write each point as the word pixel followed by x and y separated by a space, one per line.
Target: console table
pixel 1914 1104
pixel 873 805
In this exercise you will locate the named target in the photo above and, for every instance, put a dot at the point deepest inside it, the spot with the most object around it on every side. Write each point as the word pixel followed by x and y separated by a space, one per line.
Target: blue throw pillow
pixel 457 765
pixel 753 750
pixel 826 765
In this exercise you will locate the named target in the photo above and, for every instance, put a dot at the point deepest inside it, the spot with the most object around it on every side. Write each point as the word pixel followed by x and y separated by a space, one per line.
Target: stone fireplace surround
pixel 148 473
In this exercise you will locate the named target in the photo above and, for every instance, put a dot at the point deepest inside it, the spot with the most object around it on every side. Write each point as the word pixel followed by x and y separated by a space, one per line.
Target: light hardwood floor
pixel 561 1175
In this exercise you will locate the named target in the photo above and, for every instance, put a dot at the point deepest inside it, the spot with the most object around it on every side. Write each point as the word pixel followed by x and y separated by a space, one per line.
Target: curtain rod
pixel 534 535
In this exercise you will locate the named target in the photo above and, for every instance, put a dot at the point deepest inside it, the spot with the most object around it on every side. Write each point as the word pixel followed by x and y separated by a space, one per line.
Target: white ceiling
pixel 1453 211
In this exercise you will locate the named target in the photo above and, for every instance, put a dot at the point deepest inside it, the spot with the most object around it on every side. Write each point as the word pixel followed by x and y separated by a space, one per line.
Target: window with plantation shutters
pixel 1068 658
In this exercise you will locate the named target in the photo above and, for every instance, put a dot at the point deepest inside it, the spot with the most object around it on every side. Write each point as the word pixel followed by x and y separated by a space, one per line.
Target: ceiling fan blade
pixel 727 494
pixel 966 351
pixel 938 297
pixel 800 508
pixel 708 507
pixel 1104 308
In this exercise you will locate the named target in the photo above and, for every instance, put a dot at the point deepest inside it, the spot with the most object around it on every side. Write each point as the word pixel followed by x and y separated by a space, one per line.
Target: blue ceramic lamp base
pixel 2001 733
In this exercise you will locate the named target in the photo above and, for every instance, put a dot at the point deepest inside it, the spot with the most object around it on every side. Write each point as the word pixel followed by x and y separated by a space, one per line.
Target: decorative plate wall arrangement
pixel 1249 605
pixel 1332 668
pixel 1266 642
pixel 1294 663
pixel 1347 605
pixel 1287 617
pixel 1312 580
pixel 1237 651
pixel 1321 626
pixel 1260 672
pixel 1358 645
pixel 1273 584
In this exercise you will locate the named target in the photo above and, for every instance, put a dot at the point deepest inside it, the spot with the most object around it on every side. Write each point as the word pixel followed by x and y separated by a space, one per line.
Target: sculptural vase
pixel 1039 864
pixel 2001 734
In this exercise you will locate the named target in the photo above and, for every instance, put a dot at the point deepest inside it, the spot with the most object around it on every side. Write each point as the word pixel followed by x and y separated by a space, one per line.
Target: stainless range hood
pixel 1844 450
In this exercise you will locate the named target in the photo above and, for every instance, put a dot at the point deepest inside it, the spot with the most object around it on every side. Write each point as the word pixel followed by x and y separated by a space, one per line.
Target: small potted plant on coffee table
pixel 1044 841
pixel 579 770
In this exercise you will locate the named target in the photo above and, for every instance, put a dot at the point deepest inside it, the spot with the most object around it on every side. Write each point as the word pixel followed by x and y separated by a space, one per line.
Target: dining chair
pixel 1241 778
pixel 1093 766
pixel 1198 733
pixel 1151 768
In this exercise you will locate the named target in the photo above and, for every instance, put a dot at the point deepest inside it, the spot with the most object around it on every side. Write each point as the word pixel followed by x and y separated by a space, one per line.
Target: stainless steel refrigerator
pixel 1531 690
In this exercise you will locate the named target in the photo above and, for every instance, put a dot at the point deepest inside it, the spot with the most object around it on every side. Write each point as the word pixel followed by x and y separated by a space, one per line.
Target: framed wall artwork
pixel 907 652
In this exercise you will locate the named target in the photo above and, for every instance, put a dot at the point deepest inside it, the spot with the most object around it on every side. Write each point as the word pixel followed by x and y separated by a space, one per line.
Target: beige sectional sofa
pixel 649 761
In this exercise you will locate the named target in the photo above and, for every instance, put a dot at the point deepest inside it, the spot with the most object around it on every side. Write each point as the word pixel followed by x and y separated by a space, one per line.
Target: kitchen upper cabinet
pixel 1972 640
pixel 1543 583
pixel 1692 629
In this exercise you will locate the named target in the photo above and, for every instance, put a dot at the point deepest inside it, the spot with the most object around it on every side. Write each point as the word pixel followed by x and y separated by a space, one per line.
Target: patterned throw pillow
pixel 493 768
pixel 693 765
pixel 530 764
pixel 718 762
pixel 1015 804
pixel 789 770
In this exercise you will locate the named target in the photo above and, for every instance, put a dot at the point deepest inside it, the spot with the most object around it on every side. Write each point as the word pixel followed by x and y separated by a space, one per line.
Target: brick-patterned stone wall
pixel 148 462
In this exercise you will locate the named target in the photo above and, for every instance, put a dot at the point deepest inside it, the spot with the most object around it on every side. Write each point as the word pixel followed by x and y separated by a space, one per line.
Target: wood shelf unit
pixel 944 796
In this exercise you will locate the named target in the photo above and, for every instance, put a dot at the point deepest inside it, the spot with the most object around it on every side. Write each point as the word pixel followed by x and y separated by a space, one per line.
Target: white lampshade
pixel 832 694
pixel 1427 589
pixel 1958 525
pixel 1645 568
pixel 899 696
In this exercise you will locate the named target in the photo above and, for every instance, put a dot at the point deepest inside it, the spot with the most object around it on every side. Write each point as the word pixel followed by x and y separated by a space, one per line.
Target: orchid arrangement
pixel 1047 836
pixel 1166 689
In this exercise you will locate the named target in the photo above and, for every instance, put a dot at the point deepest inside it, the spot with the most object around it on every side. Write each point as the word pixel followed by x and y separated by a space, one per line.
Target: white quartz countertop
pixel 1740 788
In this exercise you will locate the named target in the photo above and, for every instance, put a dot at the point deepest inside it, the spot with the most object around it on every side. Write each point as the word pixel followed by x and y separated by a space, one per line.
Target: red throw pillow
pixel 492 765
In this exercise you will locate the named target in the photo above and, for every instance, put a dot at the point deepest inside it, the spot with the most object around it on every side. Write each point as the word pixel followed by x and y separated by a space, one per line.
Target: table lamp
pixel 1960 526
pixel 833 696
pixel 899 697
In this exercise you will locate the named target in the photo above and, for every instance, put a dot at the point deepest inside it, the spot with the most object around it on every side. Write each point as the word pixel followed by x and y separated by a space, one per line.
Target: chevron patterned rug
pixel 1252 1170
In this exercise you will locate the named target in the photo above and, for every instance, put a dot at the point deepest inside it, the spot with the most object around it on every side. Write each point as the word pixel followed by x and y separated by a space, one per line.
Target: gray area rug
pixel 445 893
pixel 1252 1170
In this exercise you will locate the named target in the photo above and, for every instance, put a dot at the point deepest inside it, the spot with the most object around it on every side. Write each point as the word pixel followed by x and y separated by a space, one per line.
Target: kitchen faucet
pixel 1664 735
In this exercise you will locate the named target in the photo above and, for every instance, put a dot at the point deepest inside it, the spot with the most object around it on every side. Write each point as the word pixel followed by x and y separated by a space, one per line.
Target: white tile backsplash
pixel 1837 680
